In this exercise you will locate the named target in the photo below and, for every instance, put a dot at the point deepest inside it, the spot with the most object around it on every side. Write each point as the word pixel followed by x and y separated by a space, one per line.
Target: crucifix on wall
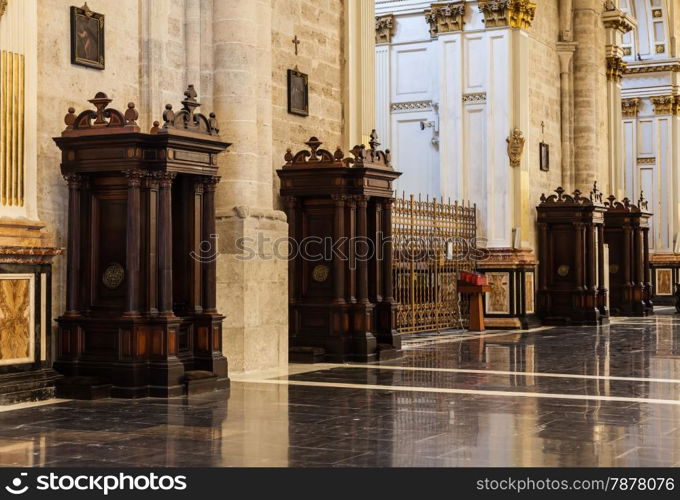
pixel 298 88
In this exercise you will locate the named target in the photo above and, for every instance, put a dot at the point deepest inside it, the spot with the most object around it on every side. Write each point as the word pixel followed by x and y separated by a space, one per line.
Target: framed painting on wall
pixel 87 37
pixel 298 93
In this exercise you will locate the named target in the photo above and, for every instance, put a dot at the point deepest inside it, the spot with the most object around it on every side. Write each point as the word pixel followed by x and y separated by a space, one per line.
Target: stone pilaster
pixel 565 52
pixel 616 24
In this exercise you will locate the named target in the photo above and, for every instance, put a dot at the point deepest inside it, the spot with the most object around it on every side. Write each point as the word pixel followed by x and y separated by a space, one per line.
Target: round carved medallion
pixel 113 276
pixel 563 270
pixel 320 273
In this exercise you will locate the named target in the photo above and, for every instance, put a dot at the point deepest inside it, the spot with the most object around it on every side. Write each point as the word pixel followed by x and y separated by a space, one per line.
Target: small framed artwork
pixel 87 37
pixel 298 93
pixel 544 156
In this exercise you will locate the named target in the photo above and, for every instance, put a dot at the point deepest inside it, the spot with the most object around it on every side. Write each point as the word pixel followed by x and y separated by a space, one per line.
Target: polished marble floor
pixel 557 397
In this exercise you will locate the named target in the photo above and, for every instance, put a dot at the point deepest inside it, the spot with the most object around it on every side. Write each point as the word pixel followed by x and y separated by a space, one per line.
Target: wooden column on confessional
pixel 337 296
pixel 626 226
pixel 127 246
pixel 569 258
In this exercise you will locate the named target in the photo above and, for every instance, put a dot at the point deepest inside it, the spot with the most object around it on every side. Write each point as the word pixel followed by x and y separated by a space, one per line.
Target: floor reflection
pixel 607 396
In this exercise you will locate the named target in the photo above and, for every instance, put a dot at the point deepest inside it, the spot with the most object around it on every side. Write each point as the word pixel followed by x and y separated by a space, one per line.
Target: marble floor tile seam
pixel 447 390
pixel 494 372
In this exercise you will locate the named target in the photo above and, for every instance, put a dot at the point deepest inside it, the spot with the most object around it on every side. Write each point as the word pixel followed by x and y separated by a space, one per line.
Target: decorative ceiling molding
pixel 411 106
pixel 445 17
pixel 634 69
pixel 513 13
pixel 384 29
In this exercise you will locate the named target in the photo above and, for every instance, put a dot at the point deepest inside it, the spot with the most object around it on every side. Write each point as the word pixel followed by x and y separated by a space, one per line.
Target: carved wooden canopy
pixel 576 198
pixel 105 120
pixel 361 156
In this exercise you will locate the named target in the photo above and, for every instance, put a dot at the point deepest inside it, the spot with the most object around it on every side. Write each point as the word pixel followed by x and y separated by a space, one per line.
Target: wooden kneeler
pixel 476 304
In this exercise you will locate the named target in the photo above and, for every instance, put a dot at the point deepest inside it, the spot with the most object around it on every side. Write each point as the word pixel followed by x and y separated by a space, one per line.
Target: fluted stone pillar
pixel 252 284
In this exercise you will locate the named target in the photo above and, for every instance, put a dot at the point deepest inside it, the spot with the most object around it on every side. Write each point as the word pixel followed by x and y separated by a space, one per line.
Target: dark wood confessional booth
pixel 626 232
pixel 141 317
pixel 571 281
pixel 340 209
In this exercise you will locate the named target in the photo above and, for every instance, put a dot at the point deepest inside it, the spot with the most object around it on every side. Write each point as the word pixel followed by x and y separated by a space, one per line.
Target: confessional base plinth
pixel 364 349
pixel 22 387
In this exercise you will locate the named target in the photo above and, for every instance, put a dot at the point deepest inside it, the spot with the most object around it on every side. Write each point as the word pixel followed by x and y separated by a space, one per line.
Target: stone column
pixel 565 51
pixel 616 23
pixel 252 282
pixel 590 149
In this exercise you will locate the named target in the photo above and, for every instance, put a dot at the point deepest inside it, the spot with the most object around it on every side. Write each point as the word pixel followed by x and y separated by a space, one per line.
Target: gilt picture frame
pixel 87 38
pixel 298 93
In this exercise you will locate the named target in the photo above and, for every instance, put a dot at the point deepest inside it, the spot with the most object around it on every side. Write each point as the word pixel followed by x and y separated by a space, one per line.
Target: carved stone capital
pixel 630 107
pixel 513 13
pixel 384 29
pixel 3 7
pixel 616 66
pixel 666 105
pixel 445 17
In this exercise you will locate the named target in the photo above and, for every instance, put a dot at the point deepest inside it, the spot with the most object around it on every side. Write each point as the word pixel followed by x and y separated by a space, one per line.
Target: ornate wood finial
pixel 595 194
pixel 561 198
pixel 102 117
pixel 187 119
pixel 374 140
pixel 642 203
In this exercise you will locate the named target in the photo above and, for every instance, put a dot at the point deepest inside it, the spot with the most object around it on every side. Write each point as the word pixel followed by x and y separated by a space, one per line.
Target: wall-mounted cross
pixel 296 41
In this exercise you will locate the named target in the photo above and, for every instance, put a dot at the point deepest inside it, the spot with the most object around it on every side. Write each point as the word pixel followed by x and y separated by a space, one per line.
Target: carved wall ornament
pixel 113 276
pixel 475 98
pixel 445 17
pixel 618 20
pixel 411 106
pixel 648 160
pixel 630 107
pixel 515 147
pixel 384 29
pixel 3 7
pixel 562 198
pixel 616 66
pixel 513 13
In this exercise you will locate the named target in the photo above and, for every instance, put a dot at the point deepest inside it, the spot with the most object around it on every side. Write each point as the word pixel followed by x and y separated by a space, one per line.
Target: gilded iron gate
pixel 432 242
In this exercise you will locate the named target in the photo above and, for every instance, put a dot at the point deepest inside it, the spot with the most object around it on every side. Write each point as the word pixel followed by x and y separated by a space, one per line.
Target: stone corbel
pixel 630 107
pixel 445 17
pixel 384 29
pixel 513 13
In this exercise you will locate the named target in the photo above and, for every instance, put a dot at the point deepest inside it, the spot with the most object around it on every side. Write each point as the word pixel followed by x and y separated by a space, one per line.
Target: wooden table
pixel 476 304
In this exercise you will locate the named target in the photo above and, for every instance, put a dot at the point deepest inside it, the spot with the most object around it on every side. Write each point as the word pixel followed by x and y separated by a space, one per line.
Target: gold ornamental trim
pixel 384 29
pixel 445 17
pixel 637 68
pixel 513 13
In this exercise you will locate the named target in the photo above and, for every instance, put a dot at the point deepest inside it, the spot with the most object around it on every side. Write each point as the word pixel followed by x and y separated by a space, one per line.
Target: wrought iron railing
pixel 432 241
